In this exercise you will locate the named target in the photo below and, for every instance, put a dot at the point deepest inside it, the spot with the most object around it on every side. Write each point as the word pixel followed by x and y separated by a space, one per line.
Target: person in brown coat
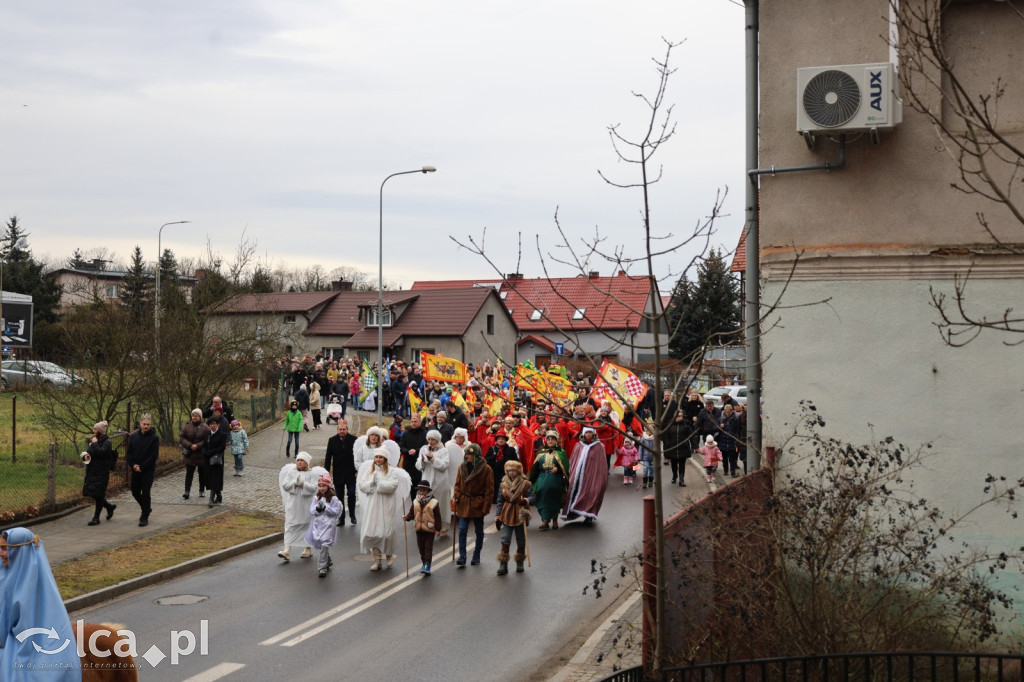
pixel 192 439
pixel 472 499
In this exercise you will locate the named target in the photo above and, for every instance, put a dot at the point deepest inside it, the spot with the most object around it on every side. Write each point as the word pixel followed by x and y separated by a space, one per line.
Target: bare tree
pixel 973 119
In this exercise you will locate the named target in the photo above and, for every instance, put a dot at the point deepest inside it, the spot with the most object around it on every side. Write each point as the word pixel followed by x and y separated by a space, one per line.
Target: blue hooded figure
pixel 37 641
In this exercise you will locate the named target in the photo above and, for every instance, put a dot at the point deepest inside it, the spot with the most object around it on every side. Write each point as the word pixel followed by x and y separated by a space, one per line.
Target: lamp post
pixel 159 255
pixel 380 295
pixel 3 323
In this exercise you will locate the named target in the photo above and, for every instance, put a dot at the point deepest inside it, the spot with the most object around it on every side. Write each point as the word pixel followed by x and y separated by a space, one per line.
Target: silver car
pixel 37 373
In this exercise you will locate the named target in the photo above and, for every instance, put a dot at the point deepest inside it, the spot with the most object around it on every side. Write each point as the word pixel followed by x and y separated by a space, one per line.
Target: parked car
pixel 738 393
pixel 37 373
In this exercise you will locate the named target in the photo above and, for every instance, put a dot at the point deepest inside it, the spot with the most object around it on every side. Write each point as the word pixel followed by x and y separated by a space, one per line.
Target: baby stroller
pixel 333 409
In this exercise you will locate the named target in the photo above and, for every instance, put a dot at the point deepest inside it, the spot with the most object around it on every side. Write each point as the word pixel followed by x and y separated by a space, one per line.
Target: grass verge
pixel 107 567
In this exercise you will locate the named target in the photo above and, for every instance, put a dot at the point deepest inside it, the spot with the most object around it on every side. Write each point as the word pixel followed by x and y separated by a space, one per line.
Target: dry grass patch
pixel 107 567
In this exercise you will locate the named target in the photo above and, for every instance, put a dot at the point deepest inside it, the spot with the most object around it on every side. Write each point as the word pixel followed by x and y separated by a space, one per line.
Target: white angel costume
pixel 436 473
pixel 297 490
pixel 362 451
pixel 381 497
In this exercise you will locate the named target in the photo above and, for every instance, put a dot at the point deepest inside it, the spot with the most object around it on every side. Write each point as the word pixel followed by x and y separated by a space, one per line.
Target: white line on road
pixel 345 616
pixel 582 657
pixel 327 614
pixel 216 672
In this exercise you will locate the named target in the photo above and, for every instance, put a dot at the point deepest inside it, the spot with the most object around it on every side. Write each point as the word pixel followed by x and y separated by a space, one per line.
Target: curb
pixel 106 593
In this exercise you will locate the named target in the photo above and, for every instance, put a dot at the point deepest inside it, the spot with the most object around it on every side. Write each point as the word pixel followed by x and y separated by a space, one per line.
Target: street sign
pixel 559 349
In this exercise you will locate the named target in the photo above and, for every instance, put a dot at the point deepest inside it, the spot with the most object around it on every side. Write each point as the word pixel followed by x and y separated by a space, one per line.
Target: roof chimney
pixel 622 273
pixel 594 274
pixel 341 285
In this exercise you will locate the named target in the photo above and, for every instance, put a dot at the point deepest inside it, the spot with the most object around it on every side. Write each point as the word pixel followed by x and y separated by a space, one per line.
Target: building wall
pixel 272 327
pixel 482 346
pixel 865 348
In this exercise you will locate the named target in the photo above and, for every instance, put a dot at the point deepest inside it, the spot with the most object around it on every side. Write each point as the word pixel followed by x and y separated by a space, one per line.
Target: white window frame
pixel 371 317
pixel 579 314
pixel 111 291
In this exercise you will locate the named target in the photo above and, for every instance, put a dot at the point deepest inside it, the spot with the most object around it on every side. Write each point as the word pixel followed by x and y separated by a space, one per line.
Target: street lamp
pixel 380 295
pixel 3 323
pixel 159 255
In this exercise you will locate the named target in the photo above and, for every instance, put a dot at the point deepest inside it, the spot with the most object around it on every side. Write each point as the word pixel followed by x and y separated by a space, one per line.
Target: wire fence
pixel 42 479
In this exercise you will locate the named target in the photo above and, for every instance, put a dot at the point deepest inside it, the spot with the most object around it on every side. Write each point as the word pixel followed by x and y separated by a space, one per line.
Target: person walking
pixel 384 488
pixel 588 479
pixel 340 463
pixel 729 428
pixel 99 459
pixel 515 495
pixel 315 403
pixel 323 532
pixel 213 453
pixel 192 439
pixel 142 453
pixel 550 477
pixel 474 490
pixel 239 446
pixel 433 462
pixel 426 513
pixel 293 425
pixel 298 485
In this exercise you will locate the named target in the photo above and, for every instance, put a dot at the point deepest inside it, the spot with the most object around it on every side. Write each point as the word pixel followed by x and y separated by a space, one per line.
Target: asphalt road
pixel 267 620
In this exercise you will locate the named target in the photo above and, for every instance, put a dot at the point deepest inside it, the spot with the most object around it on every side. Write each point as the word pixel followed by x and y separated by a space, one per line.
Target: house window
pixel 363 355
pixel 289 319
pixel 580 312
pixel 536 314
pixel 503 295
pixel 415 355
pixel 490 325
pixel 111 290
pixel 371 318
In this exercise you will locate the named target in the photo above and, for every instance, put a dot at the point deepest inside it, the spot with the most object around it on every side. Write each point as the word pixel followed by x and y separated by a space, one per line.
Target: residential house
pixel 468 324
pixel 603 317
pixel 91 281
pixel 875 242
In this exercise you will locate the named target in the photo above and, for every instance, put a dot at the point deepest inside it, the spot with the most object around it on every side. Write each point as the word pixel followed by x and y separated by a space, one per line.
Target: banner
pixel 530 378
pixel 558 387
pixel 459 401
pixel 438 368
pixel 615 381
pixel 367 382
pixel 415 404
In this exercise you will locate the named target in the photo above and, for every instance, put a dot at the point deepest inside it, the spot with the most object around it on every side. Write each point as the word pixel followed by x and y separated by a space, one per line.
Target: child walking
pixel 647 457
pixel 712 456
pixel 239 446
pixel 427 516
pixel 323 530
pixel 628 456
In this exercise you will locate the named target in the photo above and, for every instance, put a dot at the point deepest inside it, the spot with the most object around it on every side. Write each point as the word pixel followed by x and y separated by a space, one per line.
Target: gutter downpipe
pixel 752 274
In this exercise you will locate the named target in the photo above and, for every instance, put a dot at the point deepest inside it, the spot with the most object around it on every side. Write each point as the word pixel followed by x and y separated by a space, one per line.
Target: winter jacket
pixel 707 423
pixel 340 455
pixel 239 442
pixel 412 439
pixel 427 516
pixel 510 511
pixel 97 471
pixel 730 432
pixel 302 398
pixel 216 444
pixel 628 454
pixel 474 490
pixel 646 450
pixel 293 421
pixel 143 450
pixel 193 434
pixel 712 455
pixel 314 396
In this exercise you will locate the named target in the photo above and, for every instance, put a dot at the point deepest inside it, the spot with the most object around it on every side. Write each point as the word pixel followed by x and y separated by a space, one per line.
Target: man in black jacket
pixel 413 438
pixel 457 418
pixel 143 451
pixel 340 455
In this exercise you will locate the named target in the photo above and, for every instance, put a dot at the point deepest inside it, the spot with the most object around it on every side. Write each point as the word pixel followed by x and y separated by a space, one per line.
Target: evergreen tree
pixel 706 312
pixel 136 287
pixel 25 275
pixel 76 260
pixel 262 281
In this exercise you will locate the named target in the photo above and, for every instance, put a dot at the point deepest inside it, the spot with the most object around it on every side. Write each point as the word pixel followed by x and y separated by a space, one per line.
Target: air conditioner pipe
pixel 827 166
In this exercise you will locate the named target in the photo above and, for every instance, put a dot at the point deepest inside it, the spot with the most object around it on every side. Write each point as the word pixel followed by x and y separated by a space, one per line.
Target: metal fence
pixel 881 667
pixel 45 479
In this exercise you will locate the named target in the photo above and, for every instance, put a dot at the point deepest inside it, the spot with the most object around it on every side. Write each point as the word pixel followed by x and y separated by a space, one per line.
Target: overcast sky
pixel 281 119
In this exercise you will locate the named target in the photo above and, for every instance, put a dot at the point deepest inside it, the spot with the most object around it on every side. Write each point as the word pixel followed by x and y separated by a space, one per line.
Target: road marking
pixel 327 614
pixel 583 656
pixel 412 580
pixel 216 672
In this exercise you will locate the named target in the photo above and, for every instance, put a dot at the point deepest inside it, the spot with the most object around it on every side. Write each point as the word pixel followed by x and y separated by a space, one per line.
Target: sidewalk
pixel 69 536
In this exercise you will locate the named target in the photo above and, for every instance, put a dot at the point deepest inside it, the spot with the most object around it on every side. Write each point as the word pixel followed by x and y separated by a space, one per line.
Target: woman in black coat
pixel 677 445
pixel 216 442
pixel 99 460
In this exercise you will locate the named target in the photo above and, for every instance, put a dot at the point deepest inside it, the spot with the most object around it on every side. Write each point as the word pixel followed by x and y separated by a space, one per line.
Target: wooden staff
pixel 451 529
pixel 526 541
pixel 404 531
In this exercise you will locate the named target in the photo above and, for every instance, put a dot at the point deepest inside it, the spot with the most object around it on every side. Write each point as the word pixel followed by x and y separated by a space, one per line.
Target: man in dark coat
pixel 456 417
pixel 221 409
pixel 728 441
pixel 497 455
pixel 302 398
pixel 142 453
pixel 341 457
pixel 413 438
pixel 474 490
pixel 446 429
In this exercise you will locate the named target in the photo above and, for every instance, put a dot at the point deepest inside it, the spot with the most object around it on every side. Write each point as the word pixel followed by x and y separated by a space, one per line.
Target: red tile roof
pixel 609 303
pixel 289 302
pixel 539 339
pixel 739 259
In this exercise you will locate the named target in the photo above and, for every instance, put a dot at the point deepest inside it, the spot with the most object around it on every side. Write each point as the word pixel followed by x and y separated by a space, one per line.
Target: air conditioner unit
pixel 851 97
